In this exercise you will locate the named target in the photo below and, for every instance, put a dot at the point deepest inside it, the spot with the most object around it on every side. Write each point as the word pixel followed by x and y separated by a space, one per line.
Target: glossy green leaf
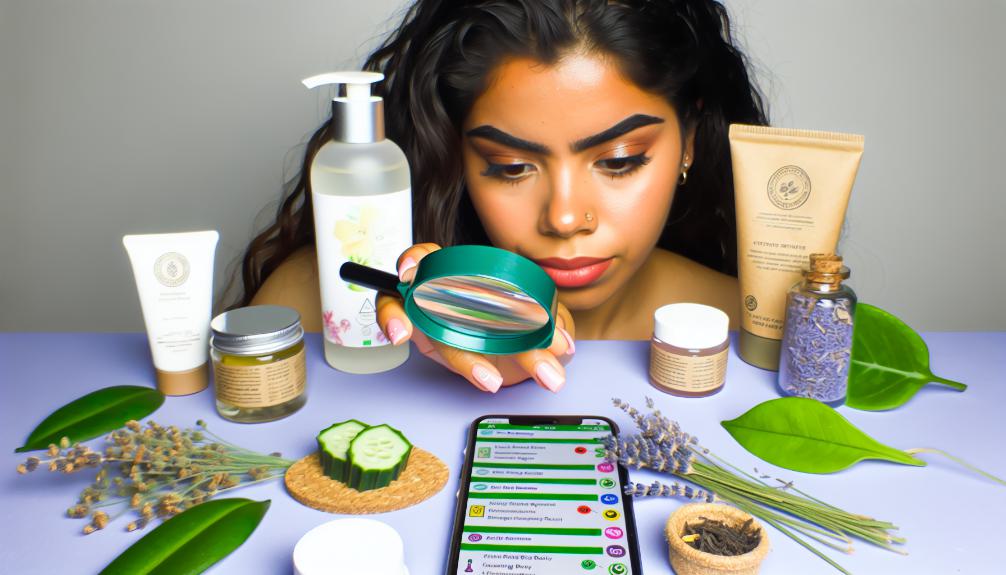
pixel 889 362
pixel 806 435
pixel 191 541
pixel 94 414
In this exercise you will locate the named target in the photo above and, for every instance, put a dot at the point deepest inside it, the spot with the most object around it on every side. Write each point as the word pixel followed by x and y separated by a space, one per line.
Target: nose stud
pixel 588 217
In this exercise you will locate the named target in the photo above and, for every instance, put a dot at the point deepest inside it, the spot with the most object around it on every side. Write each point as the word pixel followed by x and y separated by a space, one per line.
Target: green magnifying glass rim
pixel 489 262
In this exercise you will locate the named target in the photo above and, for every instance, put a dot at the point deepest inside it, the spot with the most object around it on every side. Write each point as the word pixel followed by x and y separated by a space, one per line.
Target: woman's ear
pixel 688 148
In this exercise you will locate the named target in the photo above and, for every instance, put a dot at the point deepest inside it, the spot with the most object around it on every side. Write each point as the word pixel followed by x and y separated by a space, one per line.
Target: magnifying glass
pixel 476 298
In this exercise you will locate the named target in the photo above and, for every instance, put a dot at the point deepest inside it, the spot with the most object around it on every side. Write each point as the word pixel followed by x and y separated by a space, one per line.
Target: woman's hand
pixel 486 372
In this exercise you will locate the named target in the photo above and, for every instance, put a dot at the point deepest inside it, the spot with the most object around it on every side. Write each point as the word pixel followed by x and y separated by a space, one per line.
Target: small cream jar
pixel 258 363
pixel 688 355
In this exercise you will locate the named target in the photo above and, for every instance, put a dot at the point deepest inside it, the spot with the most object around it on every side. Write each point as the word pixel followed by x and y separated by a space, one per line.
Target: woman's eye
pixel 508 172
pixel 617 167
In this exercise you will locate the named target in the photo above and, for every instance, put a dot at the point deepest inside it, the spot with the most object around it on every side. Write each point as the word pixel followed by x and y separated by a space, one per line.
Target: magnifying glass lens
pixel 480 305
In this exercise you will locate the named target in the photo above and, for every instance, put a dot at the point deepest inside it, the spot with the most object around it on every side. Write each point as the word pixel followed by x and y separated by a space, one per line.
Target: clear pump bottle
pixel 362 202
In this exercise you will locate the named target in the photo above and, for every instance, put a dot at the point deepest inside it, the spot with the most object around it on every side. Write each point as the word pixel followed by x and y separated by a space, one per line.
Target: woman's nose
pixel 566 211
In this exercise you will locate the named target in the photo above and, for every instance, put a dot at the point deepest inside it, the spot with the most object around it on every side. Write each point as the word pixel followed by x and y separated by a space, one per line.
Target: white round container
pixel 356 545
pixel 688 355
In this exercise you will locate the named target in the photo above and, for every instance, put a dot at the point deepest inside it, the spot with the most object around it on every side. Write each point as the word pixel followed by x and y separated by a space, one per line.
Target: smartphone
pixel 537 497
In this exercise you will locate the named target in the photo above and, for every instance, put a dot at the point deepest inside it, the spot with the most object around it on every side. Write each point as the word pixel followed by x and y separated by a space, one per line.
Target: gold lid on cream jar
pixel 258 363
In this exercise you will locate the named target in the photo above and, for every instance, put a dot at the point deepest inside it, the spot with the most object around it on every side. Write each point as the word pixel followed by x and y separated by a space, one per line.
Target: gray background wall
pixel 126 116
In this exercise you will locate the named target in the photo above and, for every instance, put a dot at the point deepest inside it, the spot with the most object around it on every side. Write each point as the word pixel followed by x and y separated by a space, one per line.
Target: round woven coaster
pixel 423 477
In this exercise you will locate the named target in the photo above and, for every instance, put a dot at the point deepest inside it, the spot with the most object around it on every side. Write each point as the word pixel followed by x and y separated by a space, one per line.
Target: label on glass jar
pixel 691 374
pixel 260 385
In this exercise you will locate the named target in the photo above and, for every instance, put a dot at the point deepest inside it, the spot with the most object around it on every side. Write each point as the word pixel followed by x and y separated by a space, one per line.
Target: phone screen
pixel 540 499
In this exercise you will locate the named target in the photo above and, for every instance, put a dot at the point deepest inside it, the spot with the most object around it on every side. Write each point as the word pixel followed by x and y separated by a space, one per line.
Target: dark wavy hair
pixel 437 63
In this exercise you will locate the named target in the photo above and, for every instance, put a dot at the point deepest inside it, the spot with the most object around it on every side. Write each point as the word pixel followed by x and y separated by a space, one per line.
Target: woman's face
pixel 574 167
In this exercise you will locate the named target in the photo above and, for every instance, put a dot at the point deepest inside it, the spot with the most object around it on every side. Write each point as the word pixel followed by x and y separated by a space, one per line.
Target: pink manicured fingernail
pixel 549 377
pixel 570 344
pixel 407 264
pixel 491 381
pixel 397 331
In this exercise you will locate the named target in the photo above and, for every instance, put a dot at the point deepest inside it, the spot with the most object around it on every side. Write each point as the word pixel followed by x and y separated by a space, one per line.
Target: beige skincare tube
pixel 791 188
pixel 174 278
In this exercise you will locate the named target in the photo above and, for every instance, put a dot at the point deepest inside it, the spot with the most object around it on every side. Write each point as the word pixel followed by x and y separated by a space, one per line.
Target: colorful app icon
pixel 480 487
pixel 580 450
pixel 614 533
pixel 607 483
pixel 583 510
pixel 615 551
pixel 600 452
pixel 477 511
pixel 609 514
pixel 609 499
pixel 486 432
pixel 475 538
pixel 617 569
pixel 588 564
pixel 606 467
pixel 468 568
pixel 482 472
pixel 485 452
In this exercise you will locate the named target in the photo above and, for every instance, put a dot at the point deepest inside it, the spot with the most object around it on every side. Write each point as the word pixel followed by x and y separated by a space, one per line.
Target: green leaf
pixel 889 362
pixel 94 414
pixel 191 541
pixel 806 435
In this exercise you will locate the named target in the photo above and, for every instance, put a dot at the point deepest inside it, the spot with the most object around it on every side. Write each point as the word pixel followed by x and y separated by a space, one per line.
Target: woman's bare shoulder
pixel 295 284
pixel 682 279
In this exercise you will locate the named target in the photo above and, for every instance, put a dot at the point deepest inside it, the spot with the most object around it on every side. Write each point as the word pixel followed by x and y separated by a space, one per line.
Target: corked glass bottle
pixel 817 336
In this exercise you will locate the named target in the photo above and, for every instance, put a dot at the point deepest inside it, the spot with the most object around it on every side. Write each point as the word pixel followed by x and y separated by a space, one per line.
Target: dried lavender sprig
pixel 156 471
pixel 661 445
pixel 658 489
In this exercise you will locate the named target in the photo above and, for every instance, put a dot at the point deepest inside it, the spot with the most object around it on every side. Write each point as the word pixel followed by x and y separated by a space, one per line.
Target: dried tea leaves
pixel 719 538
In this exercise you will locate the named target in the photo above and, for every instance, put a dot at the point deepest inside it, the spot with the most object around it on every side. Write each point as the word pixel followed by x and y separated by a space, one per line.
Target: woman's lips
pixel 575 272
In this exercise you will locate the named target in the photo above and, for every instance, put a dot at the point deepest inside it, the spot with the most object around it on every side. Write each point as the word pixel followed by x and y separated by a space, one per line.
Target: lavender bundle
pixel 155 471
pixel 662 446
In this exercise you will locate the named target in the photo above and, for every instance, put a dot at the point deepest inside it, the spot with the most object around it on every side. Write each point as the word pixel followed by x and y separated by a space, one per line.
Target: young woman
pixel 587 135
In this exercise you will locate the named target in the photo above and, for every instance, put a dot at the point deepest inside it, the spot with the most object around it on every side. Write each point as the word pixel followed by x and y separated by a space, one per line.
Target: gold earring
pixel 588 217
pixel 684 172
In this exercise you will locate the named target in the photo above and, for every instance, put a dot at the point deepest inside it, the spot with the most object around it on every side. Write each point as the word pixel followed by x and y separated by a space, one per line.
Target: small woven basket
pixel 688 560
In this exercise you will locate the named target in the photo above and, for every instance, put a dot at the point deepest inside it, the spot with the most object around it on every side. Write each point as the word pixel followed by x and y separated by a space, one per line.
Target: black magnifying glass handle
pixel 369 277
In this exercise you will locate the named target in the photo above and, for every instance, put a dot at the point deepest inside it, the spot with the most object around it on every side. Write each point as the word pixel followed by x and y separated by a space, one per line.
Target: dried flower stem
pixel 662 446
pixel 156 471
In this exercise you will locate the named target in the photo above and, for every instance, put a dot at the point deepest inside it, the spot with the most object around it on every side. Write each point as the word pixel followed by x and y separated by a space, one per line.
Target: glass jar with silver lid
pixel 258 363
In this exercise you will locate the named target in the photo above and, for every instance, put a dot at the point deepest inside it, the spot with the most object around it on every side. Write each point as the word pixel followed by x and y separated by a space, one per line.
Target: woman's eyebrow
pixel 623 127
pixel 500 137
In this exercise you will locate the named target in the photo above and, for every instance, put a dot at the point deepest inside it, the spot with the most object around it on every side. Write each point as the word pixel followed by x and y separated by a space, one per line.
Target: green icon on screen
pixel 485 452
pixel 618 569
pixel 588 564
pixel 607 483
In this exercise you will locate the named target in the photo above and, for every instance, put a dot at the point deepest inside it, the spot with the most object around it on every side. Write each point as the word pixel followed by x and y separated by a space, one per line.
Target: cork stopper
pixel 826 269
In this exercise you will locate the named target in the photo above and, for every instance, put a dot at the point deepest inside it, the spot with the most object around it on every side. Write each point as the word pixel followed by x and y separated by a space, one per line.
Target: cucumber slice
pixel 377 455
pixel 333 442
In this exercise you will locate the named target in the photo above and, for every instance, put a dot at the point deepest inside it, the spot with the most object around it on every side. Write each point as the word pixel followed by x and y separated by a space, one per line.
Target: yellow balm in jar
pixel 688 355
pixel 258 363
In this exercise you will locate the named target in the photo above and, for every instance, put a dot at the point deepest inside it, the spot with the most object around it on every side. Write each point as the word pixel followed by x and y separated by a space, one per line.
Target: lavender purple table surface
pixel 952 519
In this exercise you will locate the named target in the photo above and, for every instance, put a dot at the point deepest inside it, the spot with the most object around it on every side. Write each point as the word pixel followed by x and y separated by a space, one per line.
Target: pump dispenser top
pixel 357 117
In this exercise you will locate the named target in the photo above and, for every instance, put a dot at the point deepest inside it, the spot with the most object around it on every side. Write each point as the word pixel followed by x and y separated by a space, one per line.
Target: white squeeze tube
pixel 362 201
pixel 174 278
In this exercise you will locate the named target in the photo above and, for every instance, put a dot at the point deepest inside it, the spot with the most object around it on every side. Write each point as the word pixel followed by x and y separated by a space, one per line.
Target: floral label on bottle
pixel 371 231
